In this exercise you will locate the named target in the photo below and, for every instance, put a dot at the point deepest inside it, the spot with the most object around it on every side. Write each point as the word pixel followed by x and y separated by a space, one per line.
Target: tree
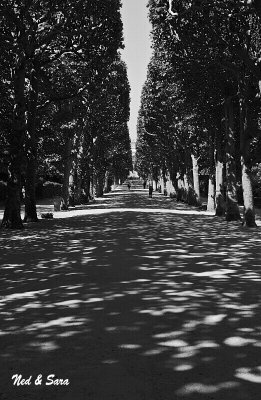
pixel 216 43
pixel 35 35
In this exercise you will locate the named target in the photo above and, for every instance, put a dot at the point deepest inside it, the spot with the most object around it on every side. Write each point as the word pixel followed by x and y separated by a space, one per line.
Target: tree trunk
pixel 220 202
pixel 169 186
pixel 12 214
pixel 211 195
pixel 161 182
pixel 78 188
pixel 79 166
pixel 196 180
pixel 31 151
pixel 219 164
pixel 106 184
pixel 186 188
pixel 232 210
pixel 181 190
pixel 165 185
pixel 98 184
pixel 211 206
pixel 67 169
pixel 72 189
pixel 87 188
pixel 249 210
pixel 174 183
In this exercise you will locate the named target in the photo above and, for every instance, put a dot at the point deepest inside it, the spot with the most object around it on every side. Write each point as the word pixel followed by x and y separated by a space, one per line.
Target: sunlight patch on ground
pixel 237 341
pixel 28 237
pixel 110 362
pixel 11 266
pixel 75 213
pixel 17 296
pixel 153 352
pixel 200 388
pixel 174 343
pixel 183 367
pixel 166 335
pixel 32 305
pixel 69 303
pixel 206 344
pixel 213 319
pixel 43 346
pixel 219 273
pixel 94 300
pixel 153 257
pixel 249 374
pixel 130 346
pixel 60 322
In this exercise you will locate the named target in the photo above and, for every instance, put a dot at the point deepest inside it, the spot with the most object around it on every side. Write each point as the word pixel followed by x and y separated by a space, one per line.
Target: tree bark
pixel 232 210
pixel 181 190
pixel 211 206
pixel 249 210
pixel 174 183
pixel 31 151
pixel 186 188
pixel 106 184
pixel 98 184
pixel 12 214
pixel 67 169
pixel 196 180
pixel 220 209
pixel 72 188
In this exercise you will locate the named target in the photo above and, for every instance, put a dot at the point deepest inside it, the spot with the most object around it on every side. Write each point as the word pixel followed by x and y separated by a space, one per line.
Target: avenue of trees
pixel 200 105
pixel 64 101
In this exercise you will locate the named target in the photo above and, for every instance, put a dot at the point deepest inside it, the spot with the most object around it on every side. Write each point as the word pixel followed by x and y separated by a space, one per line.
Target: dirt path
pixel 132 298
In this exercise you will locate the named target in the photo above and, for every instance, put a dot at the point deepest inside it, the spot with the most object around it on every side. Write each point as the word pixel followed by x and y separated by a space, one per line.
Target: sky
pixel 137 52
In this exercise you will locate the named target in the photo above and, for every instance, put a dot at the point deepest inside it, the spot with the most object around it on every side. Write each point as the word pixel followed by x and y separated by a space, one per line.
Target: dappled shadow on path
pixel 132 306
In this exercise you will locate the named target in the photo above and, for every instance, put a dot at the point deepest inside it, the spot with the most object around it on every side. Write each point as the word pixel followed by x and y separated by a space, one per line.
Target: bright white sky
pixel 137 52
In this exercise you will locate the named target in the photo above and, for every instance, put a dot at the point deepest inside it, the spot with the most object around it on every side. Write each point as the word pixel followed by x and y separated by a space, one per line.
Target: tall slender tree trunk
pixel 99 183
pixel 72 187
pixel 106 184
pixel 181 190
pixel 211 206
pixel 232 209
pixel 31 151
pixel 249 210
pixel 67 169
pixel 196 180
pixel 186 188
pixel 169 186
pixel 174 182
pixel 219 164
pixel 78 175
pixel 165 192
pixel 87 187
pixel 12 214
pixel 220 202
pixel 78 188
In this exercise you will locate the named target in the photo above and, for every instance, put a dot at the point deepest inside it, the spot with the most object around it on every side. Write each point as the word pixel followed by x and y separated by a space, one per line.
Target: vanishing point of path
pixel 131 298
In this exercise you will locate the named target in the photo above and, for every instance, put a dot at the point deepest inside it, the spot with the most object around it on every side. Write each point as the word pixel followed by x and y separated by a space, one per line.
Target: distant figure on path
pixel 129 185
pixel 150 189
pixel 144 184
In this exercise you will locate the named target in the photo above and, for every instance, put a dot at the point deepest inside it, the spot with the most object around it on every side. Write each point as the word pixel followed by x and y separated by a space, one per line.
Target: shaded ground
pixel 137 299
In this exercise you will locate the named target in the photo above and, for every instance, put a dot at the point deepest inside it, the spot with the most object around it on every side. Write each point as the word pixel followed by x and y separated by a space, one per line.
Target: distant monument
pixel 133 174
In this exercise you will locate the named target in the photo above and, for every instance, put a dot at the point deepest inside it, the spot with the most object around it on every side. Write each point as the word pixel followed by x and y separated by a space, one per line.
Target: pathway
pixel 132 298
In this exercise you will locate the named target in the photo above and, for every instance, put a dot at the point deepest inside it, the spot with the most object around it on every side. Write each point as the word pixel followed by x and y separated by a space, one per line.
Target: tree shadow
pixel 132 305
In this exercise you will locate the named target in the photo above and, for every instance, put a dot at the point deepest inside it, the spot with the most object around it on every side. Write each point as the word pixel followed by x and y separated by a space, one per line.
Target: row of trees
pixel 200 105
pixel 64 102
